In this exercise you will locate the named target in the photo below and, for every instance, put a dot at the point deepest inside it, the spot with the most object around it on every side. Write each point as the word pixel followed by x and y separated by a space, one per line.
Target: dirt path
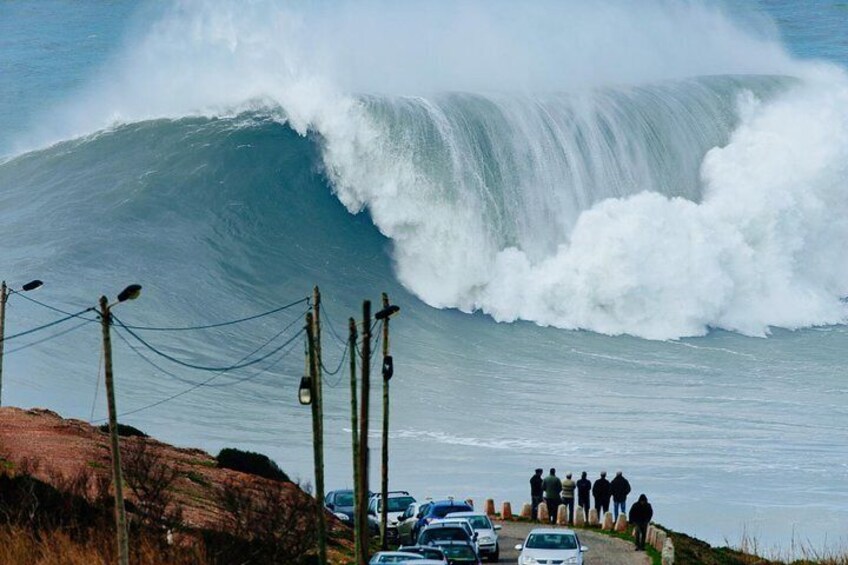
pixel 603 550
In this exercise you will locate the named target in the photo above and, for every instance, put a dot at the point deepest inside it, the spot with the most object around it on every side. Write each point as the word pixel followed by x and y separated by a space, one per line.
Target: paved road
pixel 603 550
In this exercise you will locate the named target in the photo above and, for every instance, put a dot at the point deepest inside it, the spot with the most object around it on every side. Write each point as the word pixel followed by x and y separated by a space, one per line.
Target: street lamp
pixel 5 292
pixel 131 292
pixel 383 315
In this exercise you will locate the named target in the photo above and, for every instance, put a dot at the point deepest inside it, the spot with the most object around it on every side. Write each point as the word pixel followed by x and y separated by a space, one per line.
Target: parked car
pixel 466 525
pixel 459 552
pixel 340 503
pixel 439 531
pixel 549 545
pixel 396 504
pixel 439 509
pixel 407 522
pixel 394 557
pixel 487 533
pixel 429 552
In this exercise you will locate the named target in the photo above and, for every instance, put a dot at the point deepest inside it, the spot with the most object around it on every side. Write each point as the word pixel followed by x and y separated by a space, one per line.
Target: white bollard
pixel 593 517
pixel 579 517
pixel 608 522
pixel 527 510
pixel 660 541
pixel 621 523
pixel 542 514
pixel 562 515
pixel 668 552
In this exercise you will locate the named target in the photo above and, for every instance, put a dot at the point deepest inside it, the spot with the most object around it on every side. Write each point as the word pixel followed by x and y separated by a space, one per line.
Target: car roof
pixel 396 553
pixel 412 547
pixel 465 514
pixel 452 542
pixel 550 531
pixel 441 524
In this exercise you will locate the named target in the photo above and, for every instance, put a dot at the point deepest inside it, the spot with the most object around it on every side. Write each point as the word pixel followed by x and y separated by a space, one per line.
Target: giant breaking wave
pixel 657 171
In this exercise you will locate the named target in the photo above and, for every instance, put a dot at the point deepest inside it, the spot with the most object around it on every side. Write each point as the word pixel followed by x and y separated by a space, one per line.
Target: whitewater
pixel 641 171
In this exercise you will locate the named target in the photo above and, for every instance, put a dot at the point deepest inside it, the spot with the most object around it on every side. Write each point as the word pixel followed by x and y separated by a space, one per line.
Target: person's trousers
pixel 641 532
pixel 569 502
pixel 536 500
pixel 619 506
pixel 602 507
pixel 553 505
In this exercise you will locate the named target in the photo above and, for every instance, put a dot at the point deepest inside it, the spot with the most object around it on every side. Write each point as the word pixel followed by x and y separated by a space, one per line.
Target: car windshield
pixel 443 534
pixel 344 499
pixel 442 511
pixel 398 503
pixel 454 551
pixel 479 522
pixel 551 541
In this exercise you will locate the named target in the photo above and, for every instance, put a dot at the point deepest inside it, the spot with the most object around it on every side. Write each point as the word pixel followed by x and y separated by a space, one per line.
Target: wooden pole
pixel 117 477
pixel 317 442
pixel 354 434
pixel 363 429
pixel 4 296
pixel 384 542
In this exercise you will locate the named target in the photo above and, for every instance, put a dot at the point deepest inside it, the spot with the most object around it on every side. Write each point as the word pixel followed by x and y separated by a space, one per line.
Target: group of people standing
pixel 554 492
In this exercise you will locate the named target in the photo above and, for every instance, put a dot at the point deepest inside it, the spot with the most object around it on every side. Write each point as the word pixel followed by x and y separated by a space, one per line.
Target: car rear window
pixel 443 534
pixel 442 511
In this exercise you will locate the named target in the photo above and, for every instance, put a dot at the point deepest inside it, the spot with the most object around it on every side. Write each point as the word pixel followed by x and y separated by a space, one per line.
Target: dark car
pixel 444 531
pixel 459 552
pixel 340 503
pixel 425 551
pixel 437 510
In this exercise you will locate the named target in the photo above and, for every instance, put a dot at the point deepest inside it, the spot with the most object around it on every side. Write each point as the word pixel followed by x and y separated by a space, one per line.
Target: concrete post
pixel 562 515
pixel 660 541
pixel 608 524
pixel 621 523
pixel 579 517
pixel 490 507
pixel 527 511
pixel 542 514
pixel 506 511
pixel 668 553
pixel 593 517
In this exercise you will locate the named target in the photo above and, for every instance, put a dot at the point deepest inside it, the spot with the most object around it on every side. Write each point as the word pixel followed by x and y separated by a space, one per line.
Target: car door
pixel 405 523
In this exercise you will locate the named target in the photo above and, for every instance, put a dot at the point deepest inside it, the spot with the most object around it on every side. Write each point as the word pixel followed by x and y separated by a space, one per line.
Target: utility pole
pixel 354 432
pixel 363 429
pixel 384 542
pixel 117 479
pixel 317 440
pixel 4 296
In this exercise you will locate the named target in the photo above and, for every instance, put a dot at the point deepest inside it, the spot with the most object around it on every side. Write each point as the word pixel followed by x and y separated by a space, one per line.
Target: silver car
pixel 551 545
pixel 487 533
pixel 394 557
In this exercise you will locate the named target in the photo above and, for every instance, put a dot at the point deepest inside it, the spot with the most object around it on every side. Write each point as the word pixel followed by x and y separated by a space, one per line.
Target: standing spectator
pixel 640 515
pixel 536 491
pixel 552 486
pixel 601 492
pixel 584 488
pixel 620 488
pixel 568 496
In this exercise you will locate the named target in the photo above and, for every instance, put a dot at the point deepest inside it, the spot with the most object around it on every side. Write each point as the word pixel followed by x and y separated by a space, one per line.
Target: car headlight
pixel 486 540
pixel 571 561
pixel 527 561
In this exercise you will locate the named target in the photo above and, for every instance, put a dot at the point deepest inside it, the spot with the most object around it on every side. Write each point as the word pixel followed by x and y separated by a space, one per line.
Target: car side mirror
pixel 519 547
pixel 583 549
pixel 475 536
pixel 498 526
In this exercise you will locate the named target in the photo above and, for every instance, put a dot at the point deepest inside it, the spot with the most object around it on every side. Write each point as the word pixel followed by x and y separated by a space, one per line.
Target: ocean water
pixel 617 234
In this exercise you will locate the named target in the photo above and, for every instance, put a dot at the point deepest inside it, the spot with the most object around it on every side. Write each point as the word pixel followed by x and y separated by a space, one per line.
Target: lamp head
pixel 387 312
pixel 304 393
pixel 130 293
pixel 31 285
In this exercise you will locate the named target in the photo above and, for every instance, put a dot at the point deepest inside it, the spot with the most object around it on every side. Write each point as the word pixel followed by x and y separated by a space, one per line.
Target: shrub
pixel 251 463
pixel 124 430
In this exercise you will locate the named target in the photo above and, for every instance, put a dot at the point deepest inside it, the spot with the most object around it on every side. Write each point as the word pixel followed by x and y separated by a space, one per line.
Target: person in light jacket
pixel 568 487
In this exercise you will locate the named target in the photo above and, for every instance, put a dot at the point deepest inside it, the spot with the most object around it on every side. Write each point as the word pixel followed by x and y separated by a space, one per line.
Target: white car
pixel 394 557
pixel 487 533
pixel 398 502
pixel 551 545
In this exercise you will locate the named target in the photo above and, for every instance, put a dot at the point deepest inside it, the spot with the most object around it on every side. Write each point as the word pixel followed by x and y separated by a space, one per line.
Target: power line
pixel 51 324
pixel 49 307
pixel 218 325
pixel 188 390
pixel 332 329
pixel 48 338
pixel 237 365
pixel 193 383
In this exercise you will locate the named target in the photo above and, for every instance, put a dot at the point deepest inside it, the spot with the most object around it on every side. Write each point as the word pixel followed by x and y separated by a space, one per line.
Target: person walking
pixel 584 489
pixel 601 492
pixel 552 486
pixel 620 488
pixel 568 487
pixel 536 491
pixel 640 515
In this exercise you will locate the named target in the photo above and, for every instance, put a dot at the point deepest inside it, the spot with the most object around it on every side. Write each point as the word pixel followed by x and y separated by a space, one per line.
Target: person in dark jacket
pixel 640 515
pixel 584 489
pixel 552 486
pixel 536 490
pixel 620 488
pixel 601 492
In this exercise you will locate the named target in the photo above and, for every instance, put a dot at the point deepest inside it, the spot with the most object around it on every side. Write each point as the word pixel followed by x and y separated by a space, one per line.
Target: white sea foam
pixel 577 211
